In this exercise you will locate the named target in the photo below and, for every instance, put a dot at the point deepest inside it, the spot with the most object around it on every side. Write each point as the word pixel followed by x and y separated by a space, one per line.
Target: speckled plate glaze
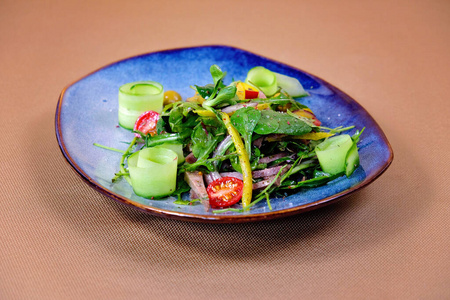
pixel 87 113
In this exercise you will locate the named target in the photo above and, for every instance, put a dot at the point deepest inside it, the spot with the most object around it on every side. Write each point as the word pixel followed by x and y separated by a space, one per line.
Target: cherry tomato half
pixel 224 192
pixel 146 123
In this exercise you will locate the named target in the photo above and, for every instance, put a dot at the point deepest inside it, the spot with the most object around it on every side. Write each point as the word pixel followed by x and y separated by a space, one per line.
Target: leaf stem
pixel 123 170
pixel 109 148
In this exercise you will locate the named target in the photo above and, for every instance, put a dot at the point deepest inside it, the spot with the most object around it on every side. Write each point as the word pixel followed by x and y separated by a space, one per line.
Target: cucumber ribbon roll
pixel 153 172
pixel 136 98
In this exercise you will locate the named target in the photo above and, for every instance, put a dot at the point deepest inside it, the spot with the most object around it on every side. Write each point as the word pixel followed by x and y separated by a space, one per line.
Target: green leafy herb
pixel 205 91
pixel 161 125
pixel 208 163
pixel 186 202
pixel 357 135
pixel 313 182
pixel 167 137
pixel 277 122
pixel 224 97
pixel 209 91
pixel 182 117
pixel 203 142
pixel 109 148
pixel 216 74
pixel 245 121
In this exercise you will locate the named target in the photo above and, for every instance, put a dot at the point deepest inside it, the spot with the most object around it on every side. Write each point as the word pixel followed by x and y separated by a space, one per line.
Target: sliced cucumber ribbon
pixel 351 160
pixel 263 79
pixel 268 82
pixel 175 147
pixel 338 154
pixel 138 97
pixel 153 172
pixel 290 85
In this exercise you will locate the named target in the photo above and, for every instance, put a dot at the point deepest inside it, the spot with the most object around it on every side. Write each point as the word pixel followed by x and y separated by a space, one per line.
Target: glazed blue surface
pixel 87 114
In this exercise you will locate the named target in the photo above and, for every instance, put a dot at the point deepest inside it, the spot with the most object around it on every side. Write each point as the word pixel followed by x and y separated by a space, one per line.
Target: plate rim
pixel 218 218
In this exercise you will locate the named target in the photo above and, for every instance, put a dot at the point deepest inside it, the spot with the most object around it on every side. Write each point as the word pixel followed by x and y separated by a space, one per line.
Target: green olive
pixel 171 97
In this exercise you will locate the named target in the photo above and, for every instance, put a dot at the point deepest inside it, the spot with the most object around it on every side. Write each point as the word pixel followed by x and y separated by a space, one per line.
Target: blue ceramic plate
pixel 87 114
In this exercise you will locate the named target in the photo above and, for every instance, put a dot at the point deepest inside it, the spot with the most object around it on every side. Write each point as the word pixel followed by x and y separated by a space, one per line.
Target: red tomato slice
pixel 146 123
pixel 224 192
pixel 251 94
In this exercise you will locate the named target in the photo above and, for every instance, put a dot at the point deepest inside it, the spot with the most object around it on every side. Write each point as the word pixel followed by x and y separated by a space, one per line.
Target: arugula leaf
pixel 235 160
pixel 213 122
pixel 225 96
pixel 203 142
pixel 181 118
pixel 176 118
pixel 218 77
pixel 161 125
pixel 266 124
pixel 277 122
pixel 315 182
pixel 245 121
pixel 281 99
pixel 201 164
pixel 160 139
pixel 210 90
pixel 205 91
pixel 214 125
pixel 208 163
pixel 206 134
pixel 216 73
pixel 186 202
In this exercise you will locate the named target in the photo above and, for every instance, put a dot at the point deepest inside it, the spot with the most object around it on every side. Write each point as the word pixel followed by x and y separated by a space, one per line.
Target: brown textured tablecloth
pixel 60 239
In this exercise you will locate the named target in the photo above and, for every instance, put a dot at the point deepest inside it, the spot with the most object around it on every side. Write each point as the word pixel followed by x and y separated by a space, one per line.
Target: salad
pixel 229 146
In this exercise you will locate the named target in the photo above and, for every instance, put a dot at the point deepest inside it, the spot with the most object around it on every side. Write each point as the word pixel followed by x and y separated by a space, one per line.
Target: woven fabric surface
pixel 60 239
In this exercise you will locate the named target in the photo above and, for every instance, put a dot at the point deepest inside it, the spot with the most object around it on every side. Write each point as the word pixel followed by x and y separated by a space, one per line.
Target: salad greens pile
pixel 254 131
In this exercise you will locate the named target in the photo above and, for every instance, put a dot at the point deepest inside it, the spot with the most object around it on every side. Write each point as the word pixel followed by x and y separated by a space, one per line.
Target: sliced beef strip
pixel 232 174
pixel 268 176
pixel 258 142
pixel 271 158
pixel 267 180
pixel 269 171
pixel 211 177
pixel 190 158
pixel 195 181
